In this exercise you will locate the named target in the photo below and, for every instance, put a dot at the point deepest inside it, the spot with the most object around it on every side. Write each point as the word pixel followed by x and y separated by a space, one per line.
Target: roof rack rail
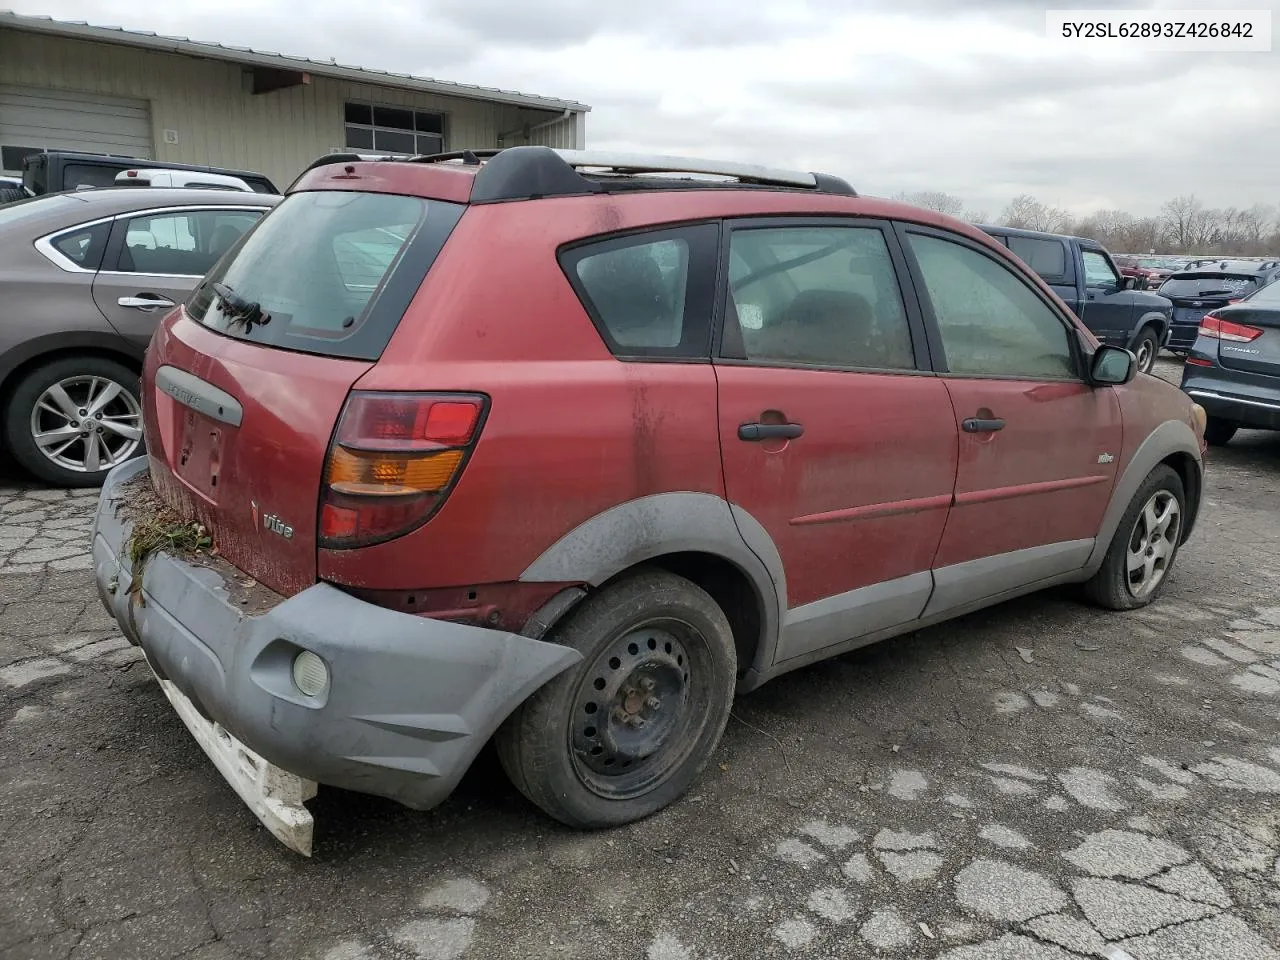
pixel 523 173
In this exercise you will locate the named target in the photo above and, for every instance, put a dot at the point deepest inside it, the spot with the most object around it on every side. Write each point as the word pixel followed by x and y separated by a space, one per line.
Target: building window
pixel 393 129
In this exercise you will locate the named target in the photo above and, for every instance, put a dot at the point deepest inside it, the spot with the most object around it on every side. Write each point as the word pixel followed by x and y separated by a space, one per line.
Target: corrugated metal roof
pixel 260 58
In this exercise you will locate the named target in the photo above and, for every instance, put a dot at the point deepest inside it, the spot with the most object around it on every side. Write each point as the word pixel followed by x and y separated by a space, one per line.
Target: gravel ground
pixel 1039 781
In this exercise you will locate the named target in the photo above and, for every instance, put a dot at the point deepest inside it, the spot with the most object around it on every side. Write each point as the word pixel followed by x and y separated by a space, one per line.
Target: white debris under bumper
pixel 275 796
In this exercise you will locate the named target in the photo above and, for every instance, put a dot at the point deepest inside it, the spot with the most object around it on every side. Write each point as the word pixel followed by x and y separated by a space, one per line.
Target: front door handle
pixel 982 425
pixel 145 303
pixel 770 431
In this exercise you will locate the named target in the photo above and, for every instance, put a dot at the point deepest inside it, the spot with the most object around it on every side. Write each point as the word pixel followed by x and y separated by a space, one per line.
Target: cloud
pixel 965 96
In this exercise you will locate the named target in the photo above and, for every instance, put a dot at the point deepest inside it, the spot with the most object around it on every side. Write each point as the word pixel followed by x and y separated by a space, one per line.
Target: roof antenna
pixel 470 159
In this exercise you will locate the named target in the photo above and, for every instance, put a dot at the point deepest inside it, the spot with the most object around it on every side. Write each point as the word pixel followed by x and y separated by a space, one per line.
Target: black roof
pixel 1031 234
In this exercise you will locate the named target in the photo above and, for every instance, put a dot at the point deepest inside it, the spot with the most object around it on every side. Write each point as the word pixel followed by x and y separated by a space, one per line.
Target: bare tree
pixel 934 200
pixel 1183 220
pixel 1025 212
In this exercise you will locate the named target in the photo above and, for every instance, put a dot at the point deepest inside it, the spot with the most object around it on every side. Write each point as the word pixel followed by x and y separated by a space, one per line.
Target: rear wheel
pixel 1218 432
pixel 625 733
pixel 9 194
pixel 1144 546
pixel 71 420
pixel 1145 349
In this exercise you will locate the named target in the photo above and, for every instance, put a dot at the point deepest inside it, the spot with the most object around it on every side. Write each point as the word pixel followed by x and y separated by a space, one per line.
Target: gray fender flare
pixel 1152 319
pixel 1172 436
pixel 664 523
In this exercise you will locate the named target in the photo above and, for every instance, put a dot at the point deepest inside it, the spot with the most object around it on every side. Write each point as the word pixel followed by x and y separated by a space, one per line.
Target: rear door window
pixel 333 270
pixel 819 295
pixel 186 243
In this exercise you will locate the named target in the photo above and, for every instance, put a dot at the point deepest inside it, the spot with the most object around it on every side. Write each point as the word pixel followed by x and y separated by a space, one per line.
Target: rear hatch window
pixel 326 272
pixel 1211 287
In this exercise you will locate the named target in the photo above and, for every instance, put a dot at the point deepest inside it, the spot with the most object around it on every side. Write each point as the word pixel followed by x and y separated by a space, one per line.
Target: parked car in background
pixel 503 478
pixel 84 277
pixel 1157 271
pixel 51 171
pixel 1196 291
pixel 1130 267
pixel 1083 274
pixel 1233 369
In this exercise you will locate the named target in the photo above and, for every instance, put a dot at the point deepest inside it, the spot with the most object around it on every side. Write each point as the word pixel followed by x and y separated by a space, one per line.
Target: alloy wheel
pixel 1152 543
pixel 87 423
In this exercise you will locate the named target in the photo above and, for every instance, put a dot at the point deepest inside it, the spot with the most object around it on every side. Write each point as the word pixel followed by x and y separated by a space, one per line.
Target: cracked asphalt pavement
pixel 1039 781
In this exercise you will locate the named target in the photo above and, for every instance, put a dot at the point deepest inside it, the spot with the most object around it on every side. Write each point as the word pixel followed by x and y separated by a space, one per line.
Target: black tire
pixel 1110 587
pixel 9 194
pixel 590 773
pixel 1218 432
pixel 18 411
pixel 1146 347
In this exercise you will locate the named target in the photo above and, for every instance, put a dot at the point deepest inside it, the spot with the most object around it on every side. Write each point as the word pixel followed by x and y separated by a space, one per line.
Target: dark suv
pixel 51 171
pixel 560 449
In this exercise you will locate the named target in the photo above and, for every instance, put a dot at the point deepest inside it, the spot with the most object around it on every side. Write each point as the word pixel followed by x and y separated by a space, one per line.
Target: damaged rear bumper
pixel 408 704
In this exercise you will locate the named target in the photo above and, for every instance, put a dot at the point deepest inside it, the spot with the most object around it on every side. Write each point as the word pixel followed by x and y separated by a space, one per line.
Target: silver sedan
pixel 84 278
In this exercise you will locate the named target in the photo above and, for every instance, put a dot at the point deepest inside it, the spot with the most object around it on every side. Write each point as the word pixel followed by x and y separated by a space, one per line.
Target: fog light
pixel 310 675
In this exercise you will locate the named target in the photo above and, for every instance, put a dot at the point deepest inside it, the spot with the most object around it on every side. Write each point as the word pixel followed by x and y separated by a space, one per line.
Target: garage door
pixel 34 119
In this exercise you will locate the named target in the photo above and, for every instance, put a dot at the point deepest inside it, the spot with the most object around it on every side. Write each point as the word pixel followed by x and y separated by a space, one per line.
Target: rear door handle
pixel 769 431
pixel 980 425
pixel 145 303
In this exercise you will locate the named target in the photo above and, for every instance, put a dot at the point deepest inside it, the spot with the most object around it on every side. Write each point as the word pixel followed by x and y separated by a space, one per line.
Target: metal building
pixel 74 86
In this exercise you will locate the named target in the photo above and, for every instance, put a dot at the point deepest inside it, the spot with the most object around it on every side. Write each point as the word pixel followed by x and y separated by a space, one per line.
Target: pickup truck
pixel 1084 275
pixel 51 171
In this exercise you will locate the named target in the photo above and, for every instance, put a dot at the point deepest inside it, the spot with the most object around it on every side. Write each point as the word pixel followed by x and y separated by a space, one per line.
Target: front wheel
pixel 625 733
pixel 1144 546
pixel 1145 349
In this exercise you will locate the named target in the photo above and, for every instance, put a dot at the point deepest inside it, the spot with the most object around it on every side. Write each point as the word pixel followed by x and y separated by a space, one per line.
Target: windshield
pixel 1208 287
pixel 327 272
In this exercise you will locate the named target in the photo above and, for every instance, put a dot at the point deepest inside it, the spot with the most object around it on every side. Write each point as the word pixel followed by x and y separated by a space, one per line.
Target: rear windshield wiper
pixel 240 310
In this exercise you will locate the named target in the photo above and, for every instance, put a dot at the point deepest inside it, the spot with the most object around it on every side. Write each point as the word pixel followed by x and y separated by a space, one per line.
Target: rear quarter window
pixel 1048 258
pixel 649 294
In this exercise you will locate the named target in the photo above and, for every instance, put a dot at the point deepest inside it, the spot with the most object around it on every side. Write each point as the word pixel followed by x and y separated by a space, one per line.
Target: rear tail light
pixel 1216 328
pixel 393 460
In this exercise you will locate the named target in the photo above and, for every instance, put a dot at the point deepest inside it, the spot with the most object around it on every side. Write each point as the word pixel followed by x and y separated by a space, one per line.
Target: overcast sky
pixel 963 96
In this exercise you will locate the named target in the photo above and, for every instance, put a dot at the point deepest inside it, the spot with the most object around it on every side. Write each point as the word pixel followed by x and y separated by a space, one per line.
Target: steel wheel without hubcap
pixel 1146 355
pixel 86 423
pixel 1152 543
pixel 632 718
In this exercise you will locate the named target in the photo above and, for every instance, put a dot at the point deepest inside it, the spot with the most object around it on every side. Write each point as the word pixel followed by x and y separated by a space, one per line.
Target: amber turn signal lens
pixel 381 473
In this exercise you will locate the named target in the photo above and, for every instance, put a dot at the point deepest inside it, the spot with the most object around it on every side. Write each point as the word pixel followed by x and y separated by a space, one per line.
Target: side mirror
pixel 1128 283
pixel 1112 366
